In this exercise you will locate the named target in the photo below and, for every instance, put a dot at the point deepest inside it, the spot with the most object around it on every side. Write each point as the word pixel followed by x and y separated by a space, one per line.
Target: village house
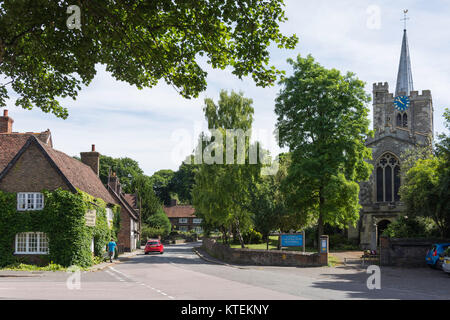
pixel 182 217
pixel 30 167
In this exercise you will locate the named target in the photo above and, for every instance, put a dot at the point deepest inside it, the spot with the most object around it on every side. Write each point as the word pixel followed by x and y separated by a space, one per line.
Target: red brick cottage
pixel 182 217
pixel 29 165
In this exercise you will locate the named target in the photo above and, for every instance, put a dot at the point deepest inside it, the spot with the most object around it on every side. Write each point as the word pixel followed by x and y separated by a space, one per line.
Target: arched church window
pixel 388 178
pixel 399 120
pixel 405 120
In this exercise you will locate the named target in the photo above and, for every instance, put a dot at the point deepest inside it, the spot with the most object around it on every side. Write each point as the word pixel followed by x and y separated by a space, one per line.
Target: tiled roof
pixel 76 174
pixel 80 175
pixel 125 204
pixel 131 199
pixel 180 211
pixel 11 143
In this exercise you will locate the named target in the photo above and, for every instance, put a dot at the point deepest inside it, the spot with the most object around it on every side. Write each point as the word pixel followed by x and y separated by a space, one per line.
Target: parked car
pixel 154 245
pixel 435 256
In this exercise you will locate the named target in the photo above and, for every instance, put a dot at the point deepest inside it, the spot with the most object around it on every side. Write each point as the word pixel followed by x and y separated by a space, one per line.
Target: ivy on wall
pixel 63 221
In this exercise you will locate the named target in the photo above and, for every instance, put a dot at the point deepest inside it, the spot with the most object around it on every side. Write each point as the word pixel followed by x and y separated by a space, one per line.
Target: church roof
pixel 404 77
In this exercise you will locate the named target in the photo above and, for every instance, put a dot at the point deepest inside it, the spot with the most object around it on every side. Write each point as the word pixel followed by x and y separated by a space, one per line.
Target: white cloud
pixel 126 122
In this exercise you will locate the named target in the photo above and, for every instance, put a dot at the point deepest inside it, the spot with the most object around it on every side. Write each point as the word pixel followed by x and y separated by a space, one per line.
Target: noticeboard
pixel 323 245
pixel 292 240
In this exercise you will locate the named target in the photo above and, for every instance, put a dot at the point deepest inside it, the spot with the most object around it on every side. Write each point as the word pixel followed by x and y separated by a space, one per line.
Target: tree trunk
pixel 238 231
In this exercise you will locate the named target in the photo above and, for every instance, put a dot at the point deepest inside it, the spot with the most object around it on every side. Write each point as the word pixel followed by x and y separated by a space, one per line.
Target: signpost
pixel 90 217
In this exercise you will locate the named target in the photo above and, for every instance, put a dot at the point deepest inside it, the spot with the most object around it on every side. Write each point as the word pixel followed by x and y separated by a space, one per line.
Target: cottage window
pixel 30 201
pixel 197 220
pixel 31 243
pixel 183 220
pixel 109 216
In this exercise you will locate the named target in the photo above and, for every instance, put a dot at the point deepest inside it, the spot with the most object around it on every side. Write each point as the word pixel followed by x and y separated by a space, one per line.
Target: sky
pixel 157 127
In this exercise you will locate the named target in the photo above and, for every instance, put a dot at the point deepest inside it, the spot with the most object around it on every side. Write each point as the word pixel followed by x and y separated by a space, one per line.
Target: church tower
pixel 401 120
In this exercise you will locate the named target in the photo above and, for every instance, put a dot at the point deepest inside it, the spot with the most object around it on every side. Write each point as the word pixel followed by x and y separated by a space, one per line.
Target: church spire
pixel 404 77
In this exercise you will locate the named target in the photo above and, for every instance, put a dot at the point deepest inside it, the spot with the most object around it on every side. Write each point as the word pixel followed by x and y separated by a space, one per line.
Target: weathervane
pixel 405 12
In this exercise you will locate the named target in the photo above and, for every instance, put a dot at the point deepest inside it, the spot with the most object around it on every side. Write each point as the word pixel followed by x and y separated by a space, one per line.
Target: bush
pixel 151 232
pixel 160 221
pixel 252 237
pixel 411 228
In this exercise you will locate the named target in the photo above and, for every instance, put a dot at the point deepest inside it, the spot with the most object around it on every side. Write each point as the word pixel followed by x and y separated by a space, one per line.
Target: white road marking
pixel 116 274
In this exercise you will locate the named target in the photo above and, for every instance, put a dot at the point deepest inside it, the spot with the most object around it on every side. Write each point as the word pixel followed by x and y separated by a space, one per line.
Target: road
pixel 179 274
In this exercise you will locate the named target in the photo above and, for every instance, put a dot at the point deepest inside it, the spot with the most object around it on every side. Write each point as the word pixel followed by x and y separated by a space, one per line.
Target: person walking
pixel 111 249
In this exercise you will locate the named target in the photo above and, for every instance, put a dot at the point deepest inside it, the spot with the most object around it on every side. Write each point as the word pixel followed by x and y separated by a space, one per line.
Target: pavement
pixel 184 272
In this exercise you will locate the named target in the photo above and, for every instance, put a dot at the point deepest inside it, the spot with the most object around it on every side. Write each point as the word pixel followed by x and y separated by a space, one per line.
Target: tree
pixel 162 185
pixel 268 202
pixel 183 181
pixel 140 42
pixel 222 191
pixel 323 119
pixel 425 192
pixel 126 170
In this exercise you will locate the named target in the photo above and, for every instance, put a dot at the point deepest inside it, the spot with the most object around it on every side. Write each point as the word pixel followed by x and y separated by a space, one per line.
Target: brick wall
pixel 405 252
pixel 32 173
pixel 124 232
pixel 261 257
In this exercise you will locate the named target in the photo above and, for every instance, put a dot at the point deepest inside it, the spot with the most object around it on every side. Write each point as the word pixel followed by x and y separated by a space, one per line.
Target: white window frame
pixel 39 238
pixel 109 216
pixel 29 201
pixel 197 220
pixel 184 228
pixel 183 220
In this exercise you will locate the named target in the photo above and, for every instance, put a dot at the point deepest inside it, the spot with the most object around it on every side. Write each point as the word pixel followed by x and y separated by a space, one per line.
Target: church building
pixel 401 120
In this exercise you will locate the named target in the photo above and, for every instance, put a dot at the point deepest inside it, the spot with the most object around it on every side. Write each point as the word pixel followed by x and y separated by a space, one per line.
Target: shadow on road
pixel 396 283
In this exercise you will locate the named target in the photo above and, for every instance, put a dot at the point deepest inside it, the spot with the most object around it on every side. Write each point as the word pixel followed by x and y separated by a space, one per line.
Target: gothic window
pixel 399 120
pixel 405 120
pixel 388 178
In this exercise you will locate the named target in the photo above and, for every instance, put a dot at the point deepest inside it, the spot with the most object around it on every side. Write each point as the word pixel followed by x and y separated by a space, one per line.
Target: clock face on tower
pixel 401 103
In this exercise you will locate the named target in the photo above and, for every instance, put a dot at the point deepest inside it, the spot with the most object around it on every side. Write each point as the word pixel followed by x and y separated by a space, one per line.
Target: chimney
pixel 92 159
pixel 114 183
pixel 173 202
pixel 6 123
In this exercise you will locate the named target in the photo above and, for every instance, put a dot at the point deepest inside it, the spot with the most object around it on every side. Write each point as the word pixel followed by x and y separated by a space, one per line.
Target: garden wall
pixel 405 252
pixel 263 257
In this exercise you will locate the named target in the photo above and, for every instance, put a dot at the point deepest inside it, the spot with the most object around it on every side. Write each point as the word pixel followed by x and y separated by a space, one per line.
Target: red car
pixel 154 246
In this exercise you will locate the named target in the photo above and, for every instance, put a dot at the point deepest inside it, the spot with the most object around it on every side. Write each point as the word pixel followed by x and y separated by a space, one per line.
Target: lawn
pixel 273 245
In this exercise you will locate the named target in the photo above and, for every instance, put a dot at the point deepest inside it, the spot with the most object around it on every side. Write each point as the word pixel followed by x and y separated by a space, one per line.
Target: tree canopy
pixel 323 119
pixel 139 41
pixel 221 193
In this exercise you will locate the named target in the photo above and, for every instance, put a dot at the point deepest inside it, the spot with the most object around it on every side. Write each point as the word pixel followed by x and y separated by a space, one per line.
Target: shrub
pixel 252 237
pixel 411 228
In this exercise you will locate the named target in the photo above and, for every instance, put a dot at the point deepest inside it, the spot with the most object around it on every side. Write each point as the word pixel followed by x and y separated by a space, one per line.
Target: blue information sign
pixel 292 240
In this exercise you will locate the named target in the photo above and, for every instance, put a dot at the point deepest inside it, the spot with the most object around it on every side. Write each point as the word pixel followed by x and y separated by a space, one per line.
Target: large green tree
pixel 323 119
pixel 222 190
pixel 139 41
pixel 183 181
pixel 162 185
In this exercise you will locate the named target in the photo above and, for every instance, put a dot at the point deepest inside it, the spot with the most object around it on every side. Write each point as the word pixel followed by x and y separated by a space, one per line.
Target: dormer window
pixel 30 201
